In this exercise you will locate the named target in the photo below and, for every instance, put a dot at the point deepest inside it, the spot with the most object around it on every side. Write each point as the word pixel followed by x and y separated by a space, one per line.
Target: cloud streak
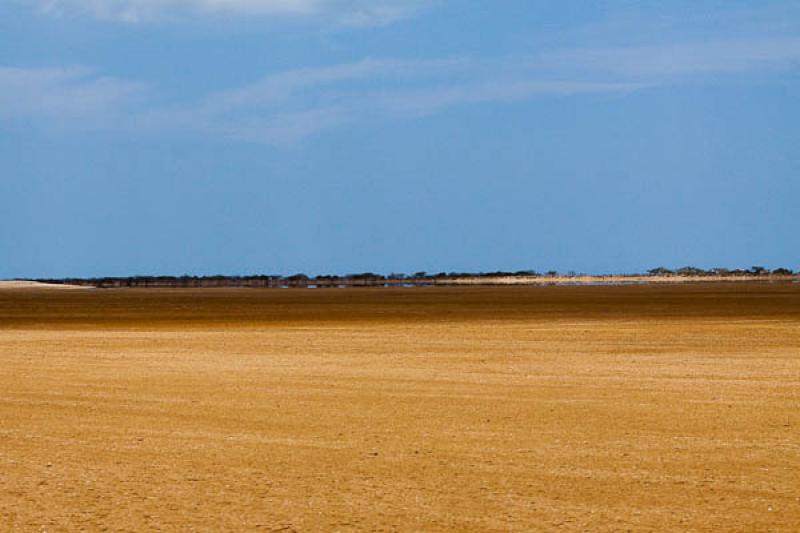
pixel 65 94
pixel 288 106
pixel 291 105
pixel 665 61
pixel 346 12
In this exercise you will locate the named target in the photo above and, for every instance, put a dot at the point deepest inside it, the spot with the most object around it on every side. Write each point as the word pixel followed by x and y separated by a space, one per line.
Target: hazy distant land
pixel 370 279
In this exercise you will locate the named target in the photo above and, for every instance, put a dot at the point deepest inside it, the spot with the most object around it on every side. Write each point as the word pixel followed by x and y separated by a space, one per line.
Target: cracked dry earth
pixel 513 408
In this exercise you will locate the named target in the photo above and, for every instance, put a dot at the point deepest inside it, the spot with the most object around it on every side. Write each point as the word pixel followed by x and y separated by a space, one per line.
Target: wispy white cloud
pixel 293 104
pixel 672 60
pixel 287 106
pixel 372 90
pixel 427 101
pixel 65 94
pixel 294 83
pixel 347 12
pixel 278 128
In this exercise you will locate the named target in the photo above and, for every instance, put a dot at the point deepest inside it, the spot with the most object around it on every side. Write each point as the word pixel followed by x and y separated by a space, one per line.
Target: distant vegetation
pixel 371 279
pixel 720 272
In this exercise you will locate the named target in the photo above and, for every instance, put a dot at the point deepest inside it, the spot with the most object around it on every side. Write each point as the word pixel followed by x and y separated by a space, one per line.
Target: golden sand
pixel 519 408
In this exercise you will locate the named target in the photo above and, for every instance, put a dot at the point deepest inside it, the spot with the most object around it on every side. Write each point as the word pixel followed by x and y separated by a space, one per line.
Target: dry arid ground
pixel 5 285
pixel 659 407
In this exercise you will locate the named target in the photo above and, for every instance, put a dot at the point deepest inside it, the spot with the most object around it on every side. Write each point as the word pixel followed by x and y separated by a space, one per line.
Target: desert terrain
pixel 585 408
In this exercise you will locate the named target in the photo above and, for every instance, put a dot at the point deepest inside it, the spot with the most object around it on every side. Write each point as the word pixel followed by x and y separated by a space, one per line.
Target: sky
pixel 339 136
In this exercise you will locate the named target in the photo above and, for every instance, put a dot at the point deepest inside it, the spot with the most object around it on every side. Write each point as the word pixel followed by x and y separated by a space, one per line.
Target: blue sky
pixel 282 136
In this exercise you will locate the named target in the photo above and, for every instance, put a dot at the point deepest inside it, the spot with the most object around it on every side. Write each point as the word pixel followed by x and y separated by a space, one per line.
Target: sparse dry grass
pixel 588 408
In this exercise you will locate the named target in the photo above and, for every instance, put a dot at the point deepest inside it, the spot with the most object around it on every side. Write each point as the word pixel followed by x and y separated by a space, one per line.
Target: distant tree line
pixel 724 272
pixel 371 279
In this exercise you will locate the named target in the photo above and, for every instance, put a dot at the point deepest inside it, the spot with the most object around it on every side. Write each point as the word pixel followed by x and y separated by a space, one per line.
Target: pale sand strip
pixel 16 284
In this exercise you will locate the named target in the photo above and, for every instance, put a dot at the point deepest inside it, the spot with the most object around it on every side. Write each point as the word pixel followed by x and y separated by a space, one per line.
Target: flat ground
pixel 518 408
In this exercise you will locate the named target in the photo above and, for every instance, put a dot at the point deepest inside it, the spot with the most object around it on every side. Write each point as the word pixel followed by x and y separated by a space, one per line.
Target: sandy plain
pixel 654 407
pixel 21 284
